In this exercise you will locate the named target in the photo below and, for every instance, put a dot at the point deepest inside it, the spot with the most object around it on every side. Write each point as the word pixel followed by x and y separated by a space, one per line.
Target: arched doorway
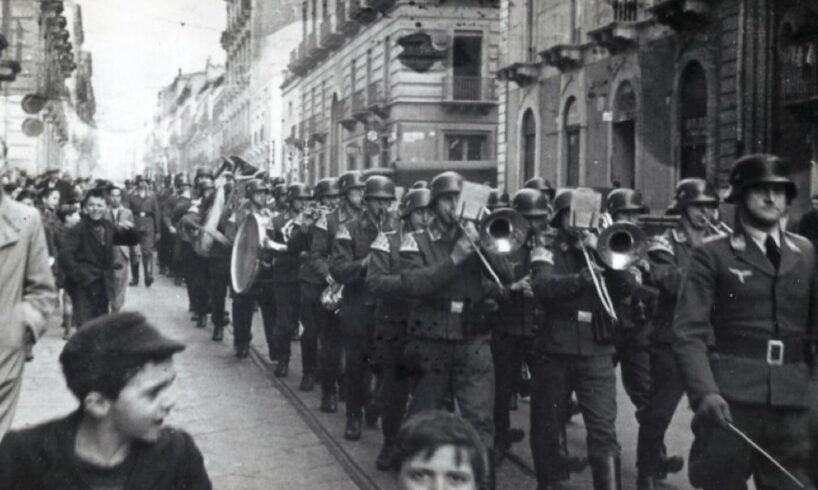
pixel 529 145
pixel 623 143
pixel 693 110
pixel 571 126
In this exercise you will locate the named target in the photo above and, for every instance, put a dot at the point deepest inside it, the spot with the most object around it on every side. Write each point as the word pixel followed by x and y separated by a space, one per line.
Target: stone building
pixel 404 84
pixel 644 93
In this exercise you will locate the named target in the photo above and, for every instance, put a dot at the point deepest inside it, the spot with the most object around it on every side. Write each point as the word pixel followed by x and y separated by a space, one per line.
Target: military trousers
pixel 666 391
pixel 313 318
pixel 396 377
pixel 720 459
pixel 197 279
pixel 509 351
pixel 244 305
pixel 330 350
pixel 286 296
pixel 553 378
pixel 357 327
pixel 218 282
pixel 633 358
pixel 464 366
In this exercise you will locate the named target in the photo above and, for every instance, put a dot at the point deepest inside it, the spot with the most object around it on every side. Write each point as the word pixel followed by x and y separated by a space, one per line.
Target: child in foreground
pixel 121 369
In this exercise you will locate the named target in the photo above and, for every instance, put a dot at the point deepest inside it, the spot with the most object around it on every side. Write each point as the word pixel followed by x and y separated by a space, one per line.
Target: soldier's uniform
pixel 572 352
pixel 323 237
pixel 449 340
pixel 195 266
pixel 286 293
pixel 350 248
pixel 147 222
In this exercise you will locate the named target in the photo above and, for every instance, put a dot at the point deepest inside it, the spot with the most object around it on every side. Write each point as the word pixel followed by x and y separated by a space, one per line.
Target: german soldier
pixel 391 317
pixel 743 327
pixel 284 276
pixel 351 185
pixel 572 352
pixel 145 209
pixel 449 339
pixel 695 201
pixel 348 264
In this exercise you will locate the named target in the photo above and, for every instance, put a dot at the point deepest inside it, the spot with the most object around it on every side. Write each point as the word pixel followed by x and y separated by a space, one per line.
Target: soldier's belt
pixel 145 215
pixel 447 305
pixel 775 352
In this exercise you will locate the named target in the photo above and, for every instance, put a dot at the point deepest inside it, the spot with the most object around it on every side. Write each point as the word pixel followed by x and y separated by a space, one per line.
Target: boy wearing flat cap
pixel 120 368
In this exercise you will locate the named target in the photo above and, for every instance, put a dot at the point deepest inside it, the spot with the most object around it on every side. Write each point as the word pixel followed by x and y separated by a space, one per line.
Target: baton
pixel 765 454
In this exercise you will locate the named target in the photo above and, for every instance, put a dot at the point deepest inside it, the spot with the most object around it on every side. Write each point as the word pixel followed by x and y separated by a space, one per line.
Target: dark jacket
pixel 383 280
pixel 669 255
pixel 732 299
pixel 86 259
pixel 42 458
pixel 323 234
pixel 285 264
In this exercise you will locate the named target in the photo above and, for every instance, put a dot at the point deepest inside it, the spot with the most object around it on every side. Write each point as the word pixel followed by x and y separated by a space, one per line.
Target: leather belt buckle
pixel 775 352
pixel 143 214
pixel 456 307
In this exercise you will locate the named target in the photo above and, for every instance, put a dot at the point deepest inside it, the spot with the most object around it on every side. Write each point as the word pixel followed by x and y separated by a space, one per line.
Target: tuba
pixel 503 231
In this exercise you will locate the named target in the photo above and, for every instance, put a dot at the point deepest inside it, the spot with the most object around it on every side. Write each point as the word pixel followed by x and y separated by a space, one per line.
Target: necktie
pixel 772 251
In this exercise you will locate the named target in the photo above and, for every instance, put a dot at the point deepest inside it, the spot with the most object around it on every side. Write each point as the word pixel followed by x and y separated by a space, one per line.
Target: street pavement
pixel 259 432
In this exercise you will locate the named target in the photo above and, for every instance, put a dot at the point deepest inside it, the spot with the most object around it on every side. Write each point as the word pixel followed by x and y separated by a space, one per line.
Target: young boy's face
pixel 145 402
pixel 440 472
pixel 72 219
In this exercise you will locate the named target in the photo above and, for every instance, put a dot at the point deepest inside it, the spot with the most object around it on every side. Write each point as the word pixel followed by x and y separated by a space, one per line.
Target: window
pixel 529 149
pixel 466 147
pixel 572 143
pixel 693 105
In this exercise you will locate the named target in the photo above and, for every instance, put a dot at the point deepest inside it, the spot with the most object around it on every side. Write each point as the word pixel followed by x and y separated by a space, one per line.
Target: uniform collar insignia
pixel 381 243
pixel 343 233
pixel 408 243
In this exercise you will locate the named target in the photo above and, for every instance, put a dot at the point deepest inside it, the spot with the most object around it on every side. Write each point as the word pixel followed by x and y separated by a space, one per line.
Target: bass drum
pixel 246 258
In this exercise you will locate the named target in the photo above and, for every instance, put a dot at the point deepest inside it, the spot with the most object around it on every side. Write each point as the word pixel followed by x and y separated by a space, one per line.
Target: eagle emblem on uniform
pixel 740 274
pixel 381 243
pixel 343 233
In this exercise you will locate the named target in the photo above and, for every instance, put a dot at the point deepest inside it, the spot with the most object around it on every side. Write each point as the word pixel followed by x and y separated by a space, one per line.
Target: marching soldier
pixel 314 316
pixel 449 339
pixel 261 292
pixel 351 186
pixel 517 320
pixel 284 277
pixel 572 352
pixel 391 317
pixel 145 210
pixel 743 327
pixel 348 264
pixel 695 201
pixel 196 265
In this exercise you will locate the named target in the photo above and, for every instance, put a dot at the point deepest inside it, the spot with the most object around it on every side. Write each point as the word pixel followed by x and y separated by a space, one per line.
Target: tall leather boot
pixel 218 332
pixel 606 473
pixel 134 273
pixel 148 263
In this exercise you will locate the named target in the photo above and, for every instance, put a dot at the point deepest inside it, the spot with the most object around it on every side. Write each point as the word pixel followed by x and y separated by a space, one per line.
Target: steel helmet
pixel 256 185
pixel 541 185
pixel 625 200
pixel 413 200
pixel 279 190
pixel 446 183
pixel 531 203
pixel 693 191
pixel 350 180
pixel 760 168
pixel 326 188
pixel 561 203
pixel 498 200
pixel 298 191
pixel 379 187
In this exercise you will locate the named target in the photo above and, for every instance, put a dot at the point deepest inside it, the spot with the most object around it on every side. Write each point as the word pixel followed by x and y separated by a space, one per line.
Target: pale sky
pixel 137 47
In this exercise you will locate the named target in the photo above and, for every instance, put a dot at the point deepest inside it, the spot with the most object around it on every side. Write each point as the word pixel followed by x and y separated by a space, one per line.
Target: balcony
pixel 799 88
pixel 296 65
pixel 682 15
pixel 382 6
pixel 522 74
pixel 359 108
pixel 316 129
pixel 469 94
pixel 362 11
pixel 377 99
pixel 343 22
pixel 312 53
pixel 618 24
pixel 346 120
pixel 330 39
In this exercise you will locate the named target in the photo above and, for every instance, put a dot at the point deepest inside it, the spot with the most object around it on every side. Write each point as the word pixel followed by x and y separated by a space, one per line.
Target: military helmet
pixel 206 183
pixel 379 187
pixel 256 185
pixel 326 188
pixel 498 200
pixel 531 203
pixel 181 179
pixel 625 200
pixel 298 191
pixel 420 184
pixel 541 185
pixel 562 202
pixel 279 190
pixel 350 180
pixel 760 168
pixel 413 200
pixel 446 183
pixel 693 191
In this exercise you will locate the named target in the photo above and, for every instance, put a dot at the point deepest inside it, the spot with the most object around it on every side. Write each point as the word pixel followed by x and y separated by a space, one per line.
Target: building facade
pixel 642 94
pixel 404 84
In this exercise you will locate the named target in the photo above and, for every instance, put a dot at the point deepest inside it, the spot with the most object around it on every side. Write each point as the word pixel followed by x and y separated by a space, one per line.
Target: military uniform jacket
pixel 323 234
pixel 349 249
pixel 454 301
pixel 732 298
pixel 383 280
pixel 518 315
pixel 571 302
pixel 285 264
pixel 669 255
pixel 145 212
